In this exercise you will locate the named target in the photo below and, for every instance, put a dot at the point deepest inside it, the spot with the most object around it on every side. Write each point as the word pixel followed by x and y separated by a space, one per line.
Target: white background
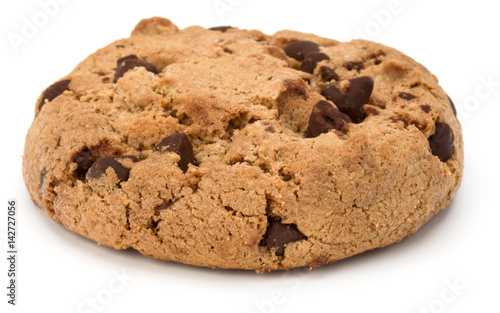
pixel 450 265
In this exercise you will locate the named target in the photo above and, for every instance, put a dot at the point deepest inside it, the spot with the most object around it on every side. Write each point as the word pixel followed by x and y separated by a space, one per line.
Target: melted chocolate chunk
pixel 325 117
pixel 41 178
pixel 311 60
pixel 354 65
pixel 441 142
pixel 371 110
pixel 406 96
pixel 350 101
pixel 163 206
pixel 328 73
pixel 299 49
pixel 101 165
pixel 54 91
pixel 84 161
pixel 278 235
pixel 269 128
pixel 221 28
pixel 178 143
pixel 121 60
pixel 129 62
pixel 426 108
pixel 295 88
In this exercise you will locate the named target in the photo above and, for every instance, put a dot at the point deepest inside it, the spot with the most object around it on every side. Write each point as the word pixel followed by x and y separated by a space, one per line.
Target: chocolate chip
pixel 278 235
pixel 180 144
pixel 371 110
pixel 299 49
pixel 120 61
pixel 426 108
pixel 221 28
pixel 314 265
pixel 269 127
pixel 129 62
pixel 101 165
pixel 441 142
pixel 163 206
pixel 311 60
pixel 350 101
pixel 84 161
pixel 325 117
pixel 53 91
pixel 452 105
pixel 41 178
pixel 296 88
pixel 328 73
pixel 357 65
pixel 406 96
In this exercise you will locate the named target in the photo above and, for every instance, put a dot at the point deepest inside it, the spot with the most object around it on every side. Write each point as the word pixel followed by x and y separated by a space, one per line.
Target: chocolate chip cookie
pixel 230 148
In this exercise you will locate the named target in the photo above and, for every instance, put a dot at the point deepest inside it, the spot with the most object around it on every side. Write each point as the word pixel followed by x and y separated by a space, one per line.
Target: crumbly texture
pixel 245 107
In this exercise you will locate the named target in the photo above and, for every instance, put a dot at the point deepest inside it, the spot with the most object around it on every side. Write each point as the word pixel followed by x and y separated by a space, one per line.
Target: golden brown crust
pixel 245 107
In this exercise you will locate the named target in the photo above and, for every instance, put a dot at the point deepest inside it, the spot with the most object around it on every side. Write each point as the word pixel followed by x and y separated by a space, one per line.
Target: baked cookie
pixel 230 148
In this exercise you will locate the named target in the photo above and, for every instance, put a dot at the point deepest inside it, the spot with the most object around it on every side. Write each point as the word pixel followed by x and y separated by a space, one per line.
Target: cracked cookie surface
pixel 230 148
